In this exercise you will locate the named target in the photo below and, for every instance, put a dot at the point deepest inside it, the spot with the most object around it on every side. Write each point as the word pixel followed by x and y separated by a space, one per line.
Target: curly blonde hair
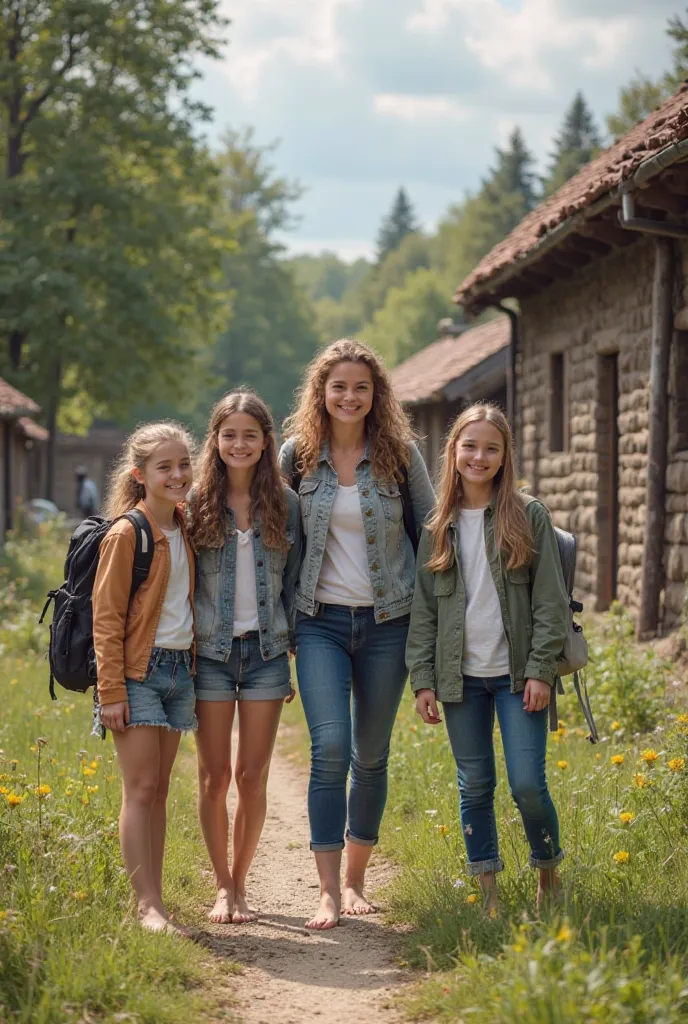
pixel 124 492
pixel 513 534
pixel 388 429
pixel 268 498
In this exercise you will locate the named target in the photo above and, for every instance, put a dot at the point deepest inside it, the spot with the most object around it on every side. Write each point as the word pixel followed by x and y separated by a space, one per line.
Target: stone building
pixel 19 438
pixel 600 271
pixel 437 382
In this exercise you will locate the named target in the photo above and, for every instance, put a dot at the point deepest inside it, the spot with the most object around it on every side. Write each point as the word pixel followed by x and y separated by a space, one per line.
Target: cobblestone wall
pixel 602 310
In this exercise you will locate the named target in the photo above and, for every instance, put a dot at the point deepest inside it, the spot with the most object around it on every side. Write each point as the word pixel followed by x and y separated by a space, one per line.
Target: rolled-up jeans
pixel 351 674
pixel 470 725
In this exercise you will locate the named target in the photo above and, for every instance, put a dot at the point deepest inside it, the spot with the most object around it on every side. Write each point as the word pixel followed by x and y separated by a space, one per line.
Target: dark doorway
pixel 607 479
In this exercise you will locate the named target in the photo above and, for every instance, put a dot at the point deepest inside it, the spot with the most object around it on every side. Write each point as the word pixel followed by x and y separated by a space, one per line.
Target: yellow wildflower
pixel 682 720
pixel 649 756
pixel 80 895
pixel 640 780
pixel 85 799
pixel 4 790
pixel 43 790
pixel 616 725
pixel 622 856
pixel 13 682
pixel 414 728
pixel 562 764
pixel 14 799
pixel 110 778
pixel 33 749
pixel 442 829
pixel 564 933
pixel 677 764
pixel 68 792
pixel 471 898
pixel 89 771
pixel 580 732
pixel 627 817
pixel 91 789
pixel 94 765
pixel 598 757
pixel 616 759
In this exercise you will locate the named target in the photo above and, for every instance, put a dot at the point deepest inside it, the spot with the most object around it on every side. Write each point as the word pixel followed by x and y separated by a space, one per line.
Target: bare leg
pixel 548 886
pixel 353 900
pixel 329 869
pixel 169 745
pixel 258 723
pixel 138 753
pixel 213 747
pixel 488 884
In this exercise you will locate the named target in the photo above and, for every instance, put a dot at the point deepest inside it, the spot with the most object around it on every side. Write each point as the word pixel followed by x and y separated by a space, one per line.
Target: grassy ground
pixel 616 951
pixel 70 948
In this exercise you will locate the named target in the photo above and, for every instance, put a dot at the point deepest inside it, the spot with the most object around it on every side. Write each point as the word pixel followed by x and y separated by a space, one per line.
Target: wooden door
pixel 607 479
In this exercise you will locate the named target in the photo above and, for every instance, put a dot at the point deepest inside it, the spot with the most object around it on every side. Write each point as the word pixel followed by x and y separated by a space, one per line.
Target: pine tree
pixel 398 223
pixel 575 145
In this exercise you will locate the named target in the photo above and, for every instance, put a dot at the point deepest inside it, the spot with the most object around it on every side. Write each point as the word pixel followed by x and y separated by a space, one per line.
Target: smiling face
pixel 240 441
pixel 479 453
pixel 349 392
pixel 166 474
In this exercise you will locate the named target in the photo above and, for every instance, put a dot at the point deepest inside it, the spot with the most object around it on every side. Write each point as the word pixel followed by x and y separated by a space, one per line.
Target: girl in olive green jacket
pixel 488 623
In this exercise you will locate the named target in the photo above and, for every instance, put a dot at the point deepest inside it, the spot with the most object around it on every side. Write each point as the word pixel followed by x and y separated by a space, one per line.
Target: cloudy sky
pixel 367 95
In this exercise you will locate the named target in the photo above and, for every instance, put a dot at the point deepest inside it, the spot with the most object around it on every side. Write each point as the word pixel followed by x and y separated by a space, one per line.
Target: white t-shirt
pixel 175 628
pixel 245 600
pixel 344 577
pixel 485 646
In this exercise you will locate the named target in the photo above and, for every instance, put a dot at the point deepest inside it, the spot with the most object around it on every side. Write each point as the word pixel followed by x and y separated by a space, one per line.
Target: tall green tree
pixel 575 145
pixel 399 222
pixel 108 250
pixel 408 320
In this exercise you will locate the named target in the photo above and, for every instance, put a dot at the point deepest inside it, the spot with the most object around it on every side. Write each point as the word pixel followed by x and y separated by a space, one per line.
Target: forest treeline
pixel 143 274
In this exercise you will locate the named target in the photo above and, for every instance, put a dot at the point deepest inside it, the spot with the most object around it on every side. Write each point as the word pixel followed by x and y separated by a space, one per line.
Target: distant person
pixel 87 497
pixel 246 529
pixel 350 455
pixel 488 622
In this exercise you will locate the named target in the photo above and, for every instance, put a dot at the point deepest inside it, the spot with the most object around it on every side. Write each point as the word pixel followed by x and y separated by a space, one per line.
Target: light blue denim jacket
pixel 276 576
pixel 391 561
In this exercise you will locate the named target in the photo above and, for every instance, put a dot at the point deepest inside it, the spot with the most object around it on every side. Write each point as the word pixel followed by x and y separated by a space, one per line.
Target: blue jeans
pixel 342 652
pixel 470 726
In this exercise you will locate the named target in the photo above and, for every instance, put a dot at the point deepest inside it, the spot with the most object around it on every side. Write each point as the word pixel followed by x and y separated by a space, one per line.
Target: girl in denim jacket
pixel 350 446
pixel 489 618
pixel 246 527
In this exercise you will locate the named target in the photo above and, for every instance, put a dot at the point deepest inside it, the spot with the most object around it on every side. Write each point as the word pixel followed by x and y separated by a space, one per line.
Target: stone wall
pixel 602 310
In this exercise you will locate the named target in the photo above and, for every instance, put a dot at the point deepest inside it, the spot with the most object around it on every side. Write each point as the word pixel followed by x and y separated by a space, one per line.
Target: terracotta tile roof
pixel 32 429
pixel 14 403
pixel 667 125
pixel 427 372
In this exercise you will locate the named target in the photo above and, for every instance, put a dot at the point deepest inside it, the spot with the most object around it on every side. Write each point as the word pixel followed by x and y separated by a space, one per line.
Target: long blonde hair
pixel 124 493
pixel 388 429
pixel 513 534
pixel 209 496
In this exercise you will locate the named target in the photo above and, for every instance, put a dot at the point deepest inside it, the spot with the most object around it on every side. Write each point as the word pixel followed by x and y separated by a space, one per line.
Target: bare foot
pixel 224 905
pixel 153 919
pixel 354 902
pixel 547 898
pixel 327 915
pixel 242 912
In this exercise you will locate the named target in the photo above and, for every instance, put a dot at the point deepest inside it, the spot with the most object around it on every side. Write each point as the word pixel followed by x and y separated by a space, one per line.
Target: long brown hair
pixel 388 429
pixel 513 534
pixel 209 496
pixel 124 493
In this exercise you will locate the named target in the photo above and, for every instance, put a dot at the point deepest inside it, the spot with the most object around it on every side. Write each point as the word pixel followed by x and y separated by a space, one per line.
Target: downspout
pixel 652 573
pixel 511 373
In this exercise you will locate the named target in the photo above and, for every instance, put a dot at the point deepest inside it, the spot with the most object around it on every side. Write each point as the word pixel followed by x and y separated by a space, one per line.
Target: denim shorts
pixel 166 697
pixel 246 676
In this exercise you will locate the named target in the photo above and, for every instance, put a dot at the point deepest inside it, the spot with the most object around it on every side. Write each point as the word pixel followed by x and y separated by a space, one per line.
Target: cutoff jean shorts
pixel 166 697
pixel 245 676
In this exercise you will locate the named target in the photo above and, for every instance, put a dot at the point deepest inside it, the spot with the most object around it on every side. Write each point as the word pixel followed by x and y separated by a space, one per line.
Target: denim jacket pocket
pixel 307 489
pixel 209 561
pixel 390 498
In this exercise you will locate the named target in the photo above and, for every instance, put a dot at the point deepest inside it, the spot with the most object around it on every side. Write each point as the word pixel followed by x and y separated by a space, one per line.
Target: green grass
pixel 70 947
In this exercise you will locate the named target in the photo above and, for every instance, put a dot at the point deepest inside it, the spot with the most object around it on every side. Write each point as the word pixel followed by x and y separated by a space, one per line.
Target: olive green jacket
pixel 533 600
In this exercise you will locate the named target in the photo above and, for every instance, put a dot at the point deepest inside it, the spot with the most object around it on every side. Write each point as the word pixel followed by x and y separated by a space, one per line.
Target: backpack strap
pixel 407 506
pixel 145 546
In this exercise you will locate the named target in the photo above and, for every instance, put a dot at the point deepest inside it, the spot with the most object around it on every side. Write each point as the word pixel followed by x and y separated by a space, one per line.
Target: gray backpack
pixel 574 655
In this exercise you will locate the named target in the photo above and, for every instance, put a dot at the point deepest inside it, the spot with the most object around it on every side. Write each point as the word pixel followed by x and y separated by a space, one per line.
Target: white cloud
pixel 415 108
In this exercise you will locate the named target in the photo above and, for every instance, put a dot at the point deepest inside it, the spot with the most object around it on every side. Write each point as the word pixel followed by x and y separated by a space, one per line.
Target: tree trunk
pixel 652 580
pixel 53 409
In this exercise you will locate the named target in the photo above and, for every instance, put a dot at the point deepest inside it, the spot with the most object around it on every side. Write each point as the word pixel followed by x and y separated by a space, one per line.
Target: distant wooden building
pixel 600 271
pixel 20 437
pixel 96 450
pixel 437 382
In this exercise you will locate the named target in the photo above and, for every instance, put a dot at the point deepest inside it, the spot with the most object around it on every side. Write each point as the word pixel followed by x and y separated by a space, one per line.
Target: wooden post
pixel 653 548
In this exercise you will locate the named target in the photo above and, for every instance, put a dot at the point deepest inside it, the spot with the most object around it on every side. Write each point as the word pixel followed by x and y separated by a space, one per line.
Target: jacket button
pixel 256 533
pixel 371 540
pixel 260 562
pixel 380 593
pixel 365 493
pixel 261 603
pixel 375 567
pixel 384 615
pixel 369 512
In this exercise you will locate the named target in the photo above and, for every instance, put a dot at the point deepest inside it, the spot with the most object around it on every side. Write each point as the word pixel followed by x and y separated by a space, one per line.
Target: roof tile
pixel 14 403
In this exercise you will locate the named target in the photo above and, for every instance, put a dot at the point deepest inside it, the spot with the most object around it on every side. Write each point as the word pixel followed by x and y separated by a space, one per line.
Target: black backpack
pixel 406 505
pixel 71 652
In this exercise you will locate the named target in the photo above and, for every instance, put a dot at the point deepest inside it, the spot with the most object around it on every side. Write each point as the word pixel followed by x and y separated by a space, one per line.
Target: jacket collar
pixel 157 532
pixel 489 511
pixel 325 453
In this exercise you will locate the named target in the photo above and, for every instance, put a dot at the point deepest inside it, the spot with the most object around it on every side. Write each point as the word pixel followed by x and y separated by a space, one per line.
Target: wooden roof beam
pixel 660 198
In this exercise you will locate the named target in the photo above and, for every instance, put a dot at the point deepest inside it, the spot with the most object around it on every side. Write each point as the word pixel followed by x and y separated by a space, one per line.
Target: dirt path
pixel 291 975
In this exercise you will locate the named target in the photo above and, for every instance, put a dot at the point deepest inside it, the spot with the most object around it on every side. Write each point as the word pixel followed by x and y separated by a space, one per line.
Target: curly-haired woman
pixel 350 454
pixel 246 528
